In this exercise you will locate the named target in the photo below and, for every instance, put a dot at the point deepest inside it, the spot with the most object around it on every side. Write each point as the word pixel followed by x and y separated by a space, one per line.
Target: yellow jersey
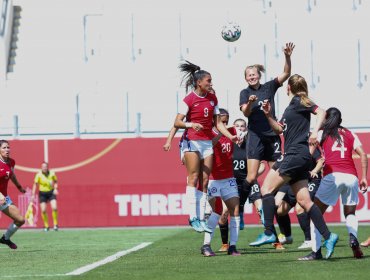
pixel 45 182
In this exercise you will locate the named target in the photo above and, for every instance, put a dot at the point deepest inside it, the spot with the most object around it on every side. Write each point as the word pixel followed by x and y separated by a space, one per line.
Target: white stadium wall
pixel 116 59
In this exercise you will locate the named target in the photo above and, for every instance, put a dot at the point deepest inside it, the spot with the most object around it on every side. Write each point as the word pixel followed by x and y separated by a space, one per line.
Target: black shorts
pixel 263 147
pixel 289 196
pixel 252 192
pixel 313 186
pixel 46 196
pixel 296 166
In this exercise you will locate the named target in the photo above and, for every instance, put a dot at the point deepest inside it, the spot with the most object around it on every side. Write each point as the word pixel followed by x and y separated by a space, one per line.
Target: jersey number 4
pixel 339 147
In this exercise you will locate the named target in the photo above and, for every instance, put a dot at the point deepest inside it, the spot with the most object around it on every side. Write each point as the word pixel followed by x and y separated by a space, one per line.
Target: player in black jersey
pixel 246 191
pixel 262 142
pixel 294 168
pixel 285 200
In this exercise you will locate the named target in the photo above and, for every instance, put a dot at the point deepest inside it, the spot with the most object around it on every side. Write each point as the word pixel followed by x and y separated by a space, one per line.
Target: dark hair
pixel 3 141
pixel 331 125
pixel 223 112
pixel 192 74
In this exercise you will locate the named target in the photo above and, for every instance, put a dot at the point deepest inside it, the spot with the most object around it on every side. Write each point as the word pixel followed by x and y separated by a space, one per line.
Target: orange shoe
pixel 224 248
pixel 278 246
pixel 366 243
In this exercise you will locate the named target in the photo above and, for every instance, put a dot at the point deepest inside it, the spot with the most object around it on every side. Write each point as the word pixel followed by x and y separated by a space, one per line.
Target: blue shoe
pixel 241 225
pixel 195 224
pixel 205 227
pixel 263 239
pixel 330 244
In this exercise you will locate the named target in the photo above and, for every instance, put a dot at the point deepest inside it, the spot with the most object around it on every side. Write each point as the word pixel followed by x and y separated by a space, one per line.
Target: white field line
pixel 109 259
pixel 88 267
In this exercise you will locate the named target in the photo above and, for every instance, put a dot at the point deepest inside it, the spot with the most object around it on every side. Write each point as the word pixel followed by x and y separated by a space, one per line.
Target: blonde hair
pixel 298 86
pixel 260 68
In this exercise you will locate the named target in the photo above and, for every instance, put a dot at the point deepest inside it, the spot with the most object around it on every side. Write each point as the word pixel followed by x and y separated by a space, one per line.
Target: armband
pixel 188 124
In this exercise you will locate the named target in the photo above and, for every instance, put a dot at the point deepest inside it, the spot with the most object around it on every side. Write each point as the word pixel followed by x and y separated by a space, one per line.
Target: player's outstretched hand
pixel 288 49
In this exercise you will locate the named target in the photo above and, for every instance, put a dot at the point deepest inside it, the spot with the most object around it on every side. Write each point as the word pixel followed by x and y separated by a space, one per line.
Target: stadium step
pixel 14 38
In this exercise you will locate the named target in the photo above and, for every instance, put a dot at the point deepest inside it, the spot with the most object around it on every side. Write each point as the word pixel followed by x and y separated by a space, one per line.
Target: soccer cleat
pixel 366 243
pixel 232 251
pixel 195 224
pixel 330 244
pixel 8 242
pixel 46 229
pixel 56 228
pixel 357 253
pixel 312 256
pixel 207 251
pixel 241 225
pixel 285 239
pixel 278 246
pixel 224 248
pixel 205 227
pixel 305 245
pixel 263 239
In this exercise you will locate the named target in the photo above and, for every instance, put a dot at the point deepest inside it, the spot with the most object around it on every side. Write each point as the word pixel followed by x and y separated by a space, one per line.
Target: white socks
pixel 212 223
pixel 352 224
pixel 196 202
pixel 315 238
pixel 234 229
pixel 202 205
pixel 191 198
pixel 10 231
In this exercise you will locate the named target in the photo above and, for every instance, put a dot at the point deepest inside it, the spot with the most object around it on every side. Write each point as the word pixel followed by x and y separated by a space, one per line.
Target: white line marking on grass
pixel 109 259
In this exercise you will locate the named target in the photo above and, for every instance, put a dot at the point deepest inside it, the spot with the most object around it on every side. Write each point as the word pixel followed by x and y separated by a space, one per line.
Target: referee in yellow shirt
pixel 47 183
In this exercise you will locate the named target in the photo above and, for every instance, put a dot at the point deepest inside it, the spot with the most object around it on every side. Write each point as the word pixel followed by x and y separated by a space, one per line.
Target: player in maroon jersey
pixel 201 111
pixel 6 204
pixel 223 184
pixel 340 175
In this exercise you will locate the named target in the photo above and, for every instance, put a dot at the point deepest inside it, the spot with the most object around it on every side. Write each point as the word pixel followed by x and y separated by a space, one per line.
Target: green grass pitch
pixel 173 254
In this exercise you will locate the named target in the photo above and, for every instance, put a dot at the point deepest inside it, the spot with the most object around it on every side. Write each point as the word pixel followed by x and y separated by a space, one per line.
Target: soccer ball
pixel 231 32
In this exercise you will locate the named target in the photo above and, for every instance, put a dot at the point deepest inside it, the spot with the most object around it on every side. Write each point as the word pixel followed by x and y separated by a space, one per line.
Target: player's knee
pixel 20 221
pixel 306 204
pixel 193 179
pixel 251 177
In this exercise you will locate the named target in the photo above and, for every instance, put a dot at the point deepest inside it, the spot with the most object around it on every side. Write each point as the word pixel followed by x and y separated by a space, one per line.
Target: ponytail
pixel 332 125
pixel 298 86
pixel 192 73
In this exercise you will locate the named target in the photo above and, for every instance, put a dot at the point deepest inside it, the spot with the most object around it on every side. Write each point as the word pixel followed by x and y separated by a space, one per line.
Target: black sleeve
pixel 273 86
pixel 244 97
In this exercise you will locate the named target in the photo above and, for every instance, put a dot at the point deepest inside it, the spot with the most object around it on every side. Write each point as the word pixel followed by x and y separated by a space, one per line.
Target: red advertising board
pixel 121 182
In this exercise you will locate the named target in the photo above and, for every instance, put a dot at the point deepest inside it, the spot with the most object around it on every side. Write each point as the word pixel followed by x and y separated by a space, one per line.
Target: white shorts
pixel 225 188
pixel 335 184
pixel 204 147
pixel 7 203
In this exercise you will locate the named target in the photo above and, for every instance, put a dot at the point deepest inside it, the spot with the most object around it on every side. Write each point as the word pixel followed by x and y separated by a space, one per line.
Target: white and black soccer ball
pixel 231 32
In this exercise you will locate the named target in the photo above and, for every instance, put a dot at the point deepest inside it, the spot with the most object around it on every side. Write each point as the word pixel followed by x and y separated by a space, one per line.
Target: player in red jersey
pixel 6 204
pixel 201 111
pixel 223 184
pixel 340 175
